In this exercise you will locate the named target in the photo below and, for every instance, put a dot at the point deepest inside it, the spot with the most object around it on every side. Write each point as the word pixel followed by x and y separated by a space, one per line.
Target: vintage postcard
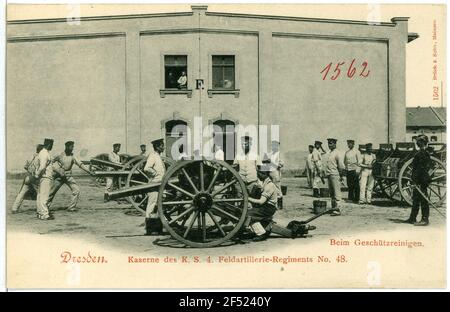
pixel 226 146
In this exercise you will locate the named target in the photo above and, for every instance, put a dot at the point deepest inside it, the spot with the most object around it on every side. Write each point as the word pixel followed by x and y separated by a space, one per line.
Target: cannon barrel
pixel 119 173
pixel 133 190
pixel 106 163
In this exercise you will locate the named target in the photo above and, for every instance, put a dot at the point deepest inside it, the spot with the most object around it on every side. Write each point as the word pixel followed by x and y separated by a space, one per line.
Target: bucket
pixel 284 190
pixel 319 206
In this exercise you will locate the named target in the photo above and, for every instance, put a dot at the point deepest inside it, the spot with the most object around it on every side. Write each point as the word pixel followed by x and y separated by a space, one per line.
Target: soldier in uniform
pixel 246 164
pixel 115 158
pixel 63 166
pixel 352 159
pixel 264 207
pixel 421 179
pixel 156 169
pixel 366 179
pixel 317 173
pixel 44 174
pixel 309 166
pixel 333 170
pixel 29 183
pixel 143 148
pixel 275 169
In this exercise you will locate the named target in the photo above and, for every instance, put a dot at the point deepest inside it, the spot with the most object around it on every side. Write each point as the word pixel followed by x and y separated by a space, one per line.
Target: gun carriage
pixel 393 168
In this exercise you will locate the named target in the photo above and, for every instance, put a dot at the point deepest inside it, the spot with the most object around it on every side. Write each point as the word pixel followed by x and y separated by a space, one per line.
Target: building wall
pixel 66 90
pixel 349 107
pixel 111 70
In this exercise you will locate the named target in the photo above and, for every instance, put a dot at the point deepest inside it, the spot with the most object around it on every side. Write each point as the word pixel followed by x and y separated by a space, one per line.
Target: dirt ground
pixel 117 226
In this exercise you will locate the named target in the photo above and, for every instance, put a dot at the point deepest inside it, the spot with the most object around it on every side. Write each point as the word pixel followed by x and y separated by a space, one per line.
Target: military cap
pixel 423 138
pixel 276 141
pixel 117 145
pixel 369 145
pixel 246 138
pixel 331 140
pixel 310 146
pixel 157 142
pixel 39 147
pixel 317 143
pixel 263 168
pixel 69 143
pixel 143 145
pixel 48 141
pixel 351 141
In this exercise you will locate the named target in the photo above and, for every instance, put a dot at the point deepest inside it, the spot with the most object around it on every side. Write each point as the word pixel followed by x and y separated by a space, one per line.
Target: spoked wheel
pixel 437 189
pixel 136 177
pixel 201 206
pixel 389 188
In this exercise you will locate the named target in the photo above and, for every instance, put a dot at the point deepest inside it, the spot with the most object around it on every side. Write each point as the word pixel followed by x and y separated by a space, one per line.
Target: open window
pixel 175 72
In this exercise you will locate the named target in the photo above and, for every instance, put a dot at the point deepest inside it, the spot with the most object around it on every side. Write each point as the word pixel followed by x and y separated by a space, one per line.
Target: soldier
pixel 115 158
pixel 29 183
pixel 264 207
pixel 421 179
pixel 143 148
pixel 246 164
pixel 317 173
pixel 275 169
pixel 63 165
pixel 309 166
pixel 352 159
pixel 366 179
pixel 44 174
pixel 334 167
pixel 156 169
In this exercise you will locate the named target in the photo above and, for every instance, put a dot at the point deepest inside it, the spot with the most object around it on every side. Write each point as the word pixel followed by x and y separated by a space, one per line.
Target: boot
pixel 409 221
pixel 153 226
pixel 423 222
pixel 280 203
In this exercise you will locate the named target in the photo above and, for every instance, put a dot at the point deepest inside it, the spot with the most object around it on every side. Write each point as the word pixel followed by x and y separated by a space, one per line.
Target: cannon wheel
pixel 389 188
pixel 436 189
pixel 137 176
pixel 199 205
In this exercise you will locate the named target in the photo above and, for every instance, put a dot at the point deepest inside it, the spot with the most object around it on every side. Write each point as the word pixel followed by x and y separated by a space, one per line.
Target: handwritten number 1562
pixel 351 70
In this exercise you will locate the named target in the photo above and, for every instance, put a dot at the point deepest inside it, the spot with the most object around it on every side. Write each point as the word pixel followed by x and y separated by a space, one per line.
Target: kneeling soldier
pixel 260 215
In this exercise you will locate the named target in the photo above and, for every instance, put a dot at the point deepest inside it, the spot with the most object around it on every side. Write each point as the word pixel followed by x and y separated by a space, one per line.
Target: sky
pixel 424 18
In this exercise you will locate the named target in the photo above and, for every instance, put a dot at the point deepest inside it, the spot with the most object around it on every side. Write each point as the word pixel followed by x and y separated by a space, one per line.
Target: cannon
pixel 128 173
pixel 393 168
pixel 201 203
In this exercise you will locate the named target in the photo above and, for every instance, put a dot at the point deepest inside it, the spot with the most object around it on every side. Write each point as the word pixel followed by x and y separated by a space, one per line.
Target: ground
pixel 117 226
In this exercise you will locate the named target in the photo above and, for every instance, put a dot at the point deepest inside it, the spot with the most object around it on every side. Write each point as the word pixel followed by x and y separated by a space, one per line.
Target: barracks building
pixel 116 79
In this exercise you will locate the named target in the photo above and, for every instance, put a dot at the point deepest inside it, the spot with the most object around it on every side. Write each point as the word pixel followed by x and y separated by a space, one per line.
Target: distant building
pixel 430 121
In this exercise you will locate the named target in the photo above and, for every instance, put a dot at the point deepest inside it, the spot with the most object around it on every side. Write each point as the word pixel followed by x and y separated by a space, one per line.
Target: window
pixel 175 71
pixel 175 130
pixel 225 138
pixel 223 72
